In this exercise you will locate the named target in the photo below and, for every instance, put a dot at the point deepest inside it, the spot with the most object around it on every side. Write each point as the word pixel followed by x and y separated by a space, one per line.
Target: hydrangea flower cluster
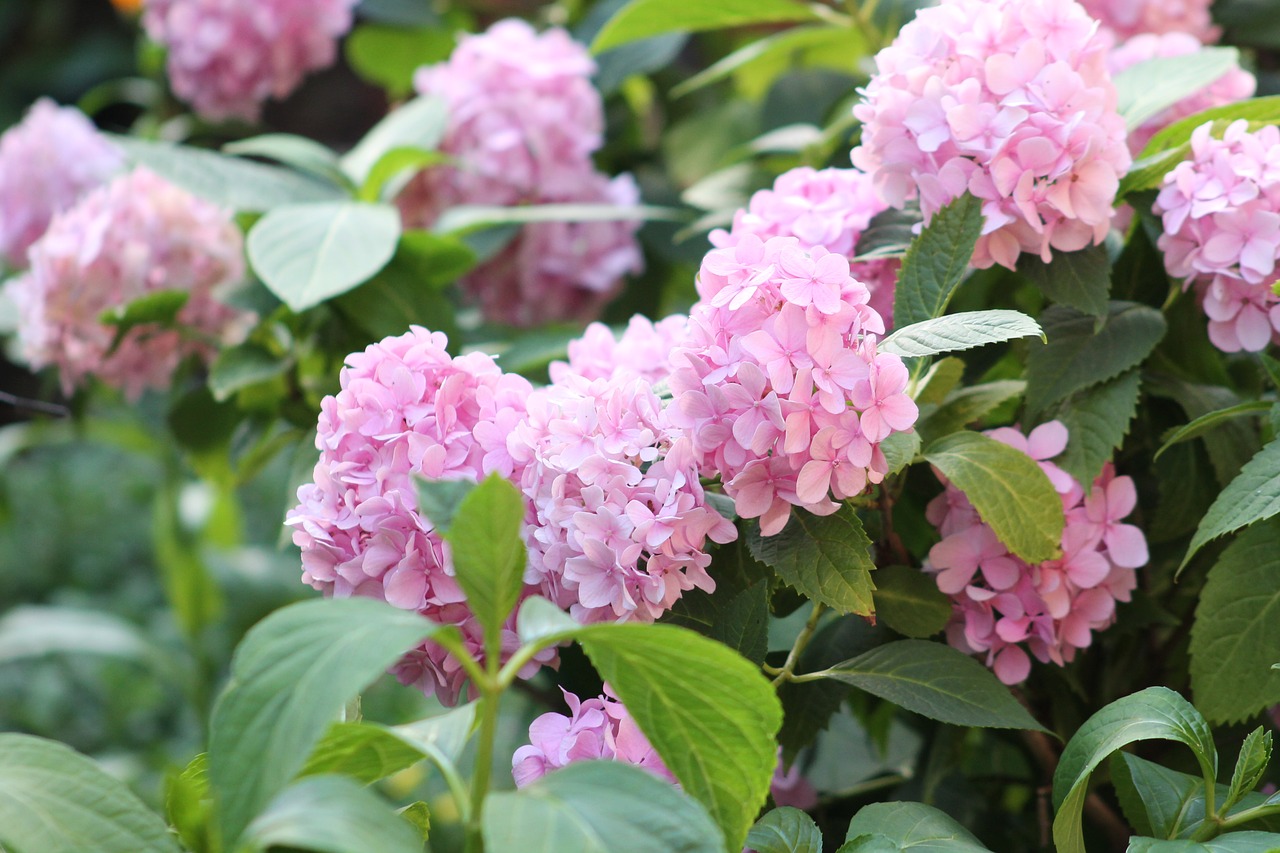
pixel 1004 607
pixel 644 349
pixel 1221 215
pixel 226 57
pixel 829 208
pixel 1236 85
pixel 1009 100
pixel 136 235
pixel 779 385
pixel 47 162
pixel 407 407
pixel 524 121
pixel 1128 18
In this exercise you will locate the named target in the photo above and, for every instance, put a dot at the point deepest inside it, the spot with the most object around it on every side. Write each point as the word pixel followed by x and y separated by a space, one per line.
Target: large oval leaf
pixel 962 331
pixel 332 814
pixel 911 826
pixel 826 557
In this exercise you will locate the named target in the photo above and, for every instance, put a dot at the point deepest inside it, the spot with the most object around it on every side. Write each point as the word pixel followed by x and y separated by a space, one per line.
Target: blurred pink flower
pixel 1128 18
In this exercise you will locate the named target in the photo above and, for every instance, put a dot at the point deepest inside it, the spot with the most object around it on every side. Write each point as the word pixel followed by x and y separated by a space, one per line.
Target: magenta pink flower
pixel 226 57
pixel 135 236
pixel 1007 608
pixel 47 162
pixel 1128 18
pixel 1221 215
pixel 1006 99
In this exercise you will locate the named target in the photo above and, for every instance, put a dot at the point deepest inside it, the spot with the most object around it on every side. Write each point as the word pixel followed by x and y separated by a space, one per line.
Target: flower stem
pixel 793 656
pixel 484 762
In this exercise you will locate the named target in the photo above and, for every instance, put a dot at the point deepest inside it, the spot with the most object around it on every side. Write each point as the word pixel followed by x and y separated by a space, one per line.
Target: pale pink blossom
pixel 644 348
pixel 1128 18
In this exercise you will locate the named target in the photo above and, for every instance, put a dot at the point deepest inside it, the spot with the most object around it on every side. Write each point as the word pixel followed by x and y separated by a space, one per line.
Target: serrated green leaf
pixel 307 253
pixel 54 800
pixel 597 807
pixel 332 814
pixel 737 613
pixel 1097 419
pixel 644 18
pixel 1145 89
pixel 1007 488
pixel 936 681
pixel 909 602
pixel 1156 713
pixel 827 558
pixel 900 449
pixel 1207 422
pixel 912 826
pixel 1080 279
pixel 966 405
pixel 785 830
pixel 956 332
pixel 1076 357
pixel 1255 755
pixel 1253 496
pixel 1237 628
pixel 936 262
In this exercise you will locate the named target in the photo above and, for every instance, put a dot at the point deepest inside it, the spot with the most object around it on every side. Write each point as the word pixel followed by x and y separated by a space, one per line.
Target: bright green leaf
pixel 1251 764
pixel 936 262
pixel 332 814
pixel 160 307
pixel 1207 422
pixel 393 168
pixel 785 830
pixel 1146 89
pixel 303 154
pixel 1097 420
pixel 955 332
pixel 912 826
pixel 900 449
pixel 1149 172
pixel 239 367
pixel 825 557
pixel 1261 110
pixel 1254 495
pixel 1081 279
pixel 782 44
pixel 966 405
pixel 418 124
pixel 1007 488
pixel 909 602
pixel 939 380
pixel 1232 842
pixel 643 18
pixel 388 56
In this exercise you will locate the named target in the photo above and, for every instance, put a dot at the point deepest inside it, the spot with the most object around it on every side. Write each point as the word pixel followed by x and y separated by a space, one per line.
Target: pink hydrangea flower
pixel 1010 610
pixel 644 348
pixel 47 162
pixel 136 235
pixel 778 383
pixel 829 208
pixel 1128 18
pixel 228 56
pixel 1009 100
pixel 524 120
pixel 407 408
pixel 1236 85
pixel 619 521
pixel 1221 215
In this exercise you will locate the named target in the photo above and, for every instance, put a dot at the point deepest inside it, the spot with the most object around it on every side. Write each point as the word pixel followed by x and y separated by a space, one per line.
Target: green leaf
pixel 826 558
pixel 290 677
pixel 1148 88
pixel 1097 419
pixel 303 154
pixel 966 405
pixel 238 367
pixel 1080 280
pixel 384 178
pixel 489 554
pixel 737 613
pixel 388 56
pixel 597 807
pixel 1254 495
pixel 418 814
pixel 1076 357
pixel 936 681
pixel 900 449
pixel 940 380
pixel 889 234
pixel 962 331
pixel 1233 443
pixel 439 500
pixel 1166 803
pixel 54 800
pixel 34 631
pixel 1255 755
pixel 785 830
pixel 1261 110
pixel 541 622
pixel 467 218
pixel 1007 488
pixel 1207 422
pixel 778 46
pixel 1232 842
pixel 643 18
pixel 1149 172
pixel 187 803
pixel 913 826
pixel 1156 713
pixel 418 124
pixel 909 602
pixel 241 185
pixel 1237 629
pixel 307 253
pixel 369 751
pixel 332 814
pixel 936 262
pixel 160 307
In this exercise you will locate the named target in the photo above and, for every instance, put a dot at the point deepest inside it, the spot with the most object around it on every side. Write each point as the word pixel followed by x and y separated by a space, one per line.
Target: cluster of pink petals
pixel 54 156
pixel 779 385
pixel 524 121
pixel 619 518
pixel 829 208
pixel 407 407
pixel 1236 85
pixel 1011 101
pixel 1221 215
pixel 1128 18
pixel 643 349
pixel 136 235
pixel 1004 607
pixel 226 57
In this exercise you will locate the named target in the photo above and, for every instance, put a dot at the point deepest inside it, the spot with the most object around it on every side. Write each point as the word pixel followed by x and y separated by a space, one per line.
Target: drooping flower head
pixel 524 120
pixel 47 162
pixel 137 235
pixel 779 385
pixel 1004 607
pixel 226 57
pixel 406 408
pixel 1128 18
pixel 829 208
pixel 1009 100
pixel 1221 215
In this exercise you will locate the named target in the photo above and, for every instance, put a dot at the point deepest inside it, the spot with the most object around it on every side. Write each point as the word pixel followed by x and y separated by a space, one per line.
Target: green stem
pixel 451 778
pixel 484 763
pixel 793 656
